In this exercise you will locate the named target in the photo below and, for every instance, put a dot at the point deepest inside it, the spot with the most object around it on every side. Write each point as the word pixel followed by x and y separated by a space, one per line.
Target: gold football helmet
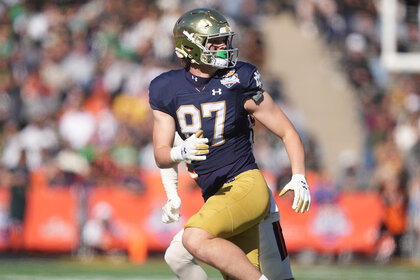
pixel 192 32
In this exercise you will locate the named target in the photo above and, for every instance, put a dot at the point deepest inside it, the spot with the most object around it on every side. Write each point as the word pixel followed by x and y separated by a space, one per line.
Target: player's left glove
pixel 193 148
pixel 170 210
pixel 302 200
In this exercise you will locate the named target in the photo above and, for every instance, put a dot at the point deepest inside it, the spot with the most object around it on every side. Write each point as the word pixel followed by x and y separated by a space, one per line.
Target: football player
pixel 207 103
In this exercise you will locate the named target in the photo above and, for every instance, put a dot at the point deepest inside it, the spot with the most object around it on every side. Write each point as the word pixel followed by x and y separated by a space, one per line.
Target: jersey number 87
pixel 207 111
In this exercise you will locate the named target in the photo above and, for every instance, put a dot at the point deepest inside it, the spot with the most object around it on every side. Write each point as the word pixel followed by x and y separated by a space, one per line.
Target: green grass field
pixel 155 268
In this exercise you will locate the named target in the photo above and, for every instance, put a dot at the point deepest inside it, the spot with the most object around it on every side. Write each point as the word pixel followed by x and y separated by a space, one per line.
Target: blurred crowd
pixel 74 107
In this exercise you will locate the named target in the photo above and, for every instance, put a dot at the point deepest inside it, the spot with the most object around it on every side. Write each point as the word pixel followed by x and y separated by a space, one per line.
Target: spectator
pixel 76 125
pixel 394 192
pixel 19 186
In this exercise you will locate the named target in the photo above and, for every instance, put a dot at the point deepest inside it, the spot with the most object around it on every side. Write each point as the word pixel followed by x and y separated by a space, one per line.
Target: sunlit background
pixel 77 175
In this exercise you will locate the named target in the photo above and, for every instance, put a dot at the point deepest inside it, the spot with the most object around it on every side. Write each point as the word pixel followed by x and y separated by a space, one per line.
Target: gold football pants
pixel 235 211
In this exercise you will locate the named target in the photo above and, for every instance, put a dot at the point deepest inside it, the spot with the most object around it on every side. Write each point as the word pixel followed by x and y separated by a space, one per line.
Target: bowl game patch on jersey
pixel 230 79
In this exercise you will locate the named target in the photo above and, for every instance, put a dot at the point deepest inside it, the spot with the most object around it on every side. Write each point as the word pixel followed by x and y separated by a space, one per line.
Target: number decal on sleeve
pixel 190 122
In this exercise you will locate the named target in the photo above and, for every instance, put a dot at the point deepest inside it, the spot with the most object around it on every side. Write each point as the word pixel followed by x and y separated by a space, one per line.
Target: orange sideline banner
pixel 350 223
pixel 51 220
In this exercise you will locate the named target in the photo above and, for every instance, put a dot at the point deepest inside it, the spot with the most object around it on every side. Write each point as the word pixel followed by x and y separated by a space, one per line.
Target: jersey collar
pixel 195 80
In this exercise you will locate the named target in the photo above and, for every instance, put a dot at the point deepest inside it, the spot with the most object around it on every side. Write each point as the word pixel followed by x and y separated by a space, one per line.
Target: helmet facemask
pixel 224 58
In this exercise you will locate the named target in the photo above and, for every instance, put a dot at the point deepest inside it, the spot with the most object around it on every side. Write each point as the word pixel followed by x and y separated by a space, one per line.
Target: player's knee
pixel 171 257
pixel 176 256
pixel 193 240
pixel 189 241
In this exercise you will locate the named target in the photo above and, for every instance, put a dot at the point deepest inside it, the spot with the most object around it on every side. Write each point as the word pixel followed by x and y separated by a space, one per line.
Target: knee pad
pixel 176 256
pixel 182 263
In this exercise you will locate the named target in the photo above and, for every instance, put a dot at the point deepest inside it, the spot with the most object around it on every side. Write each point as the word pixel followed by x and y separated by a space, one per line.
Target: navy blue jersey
pixel 216 106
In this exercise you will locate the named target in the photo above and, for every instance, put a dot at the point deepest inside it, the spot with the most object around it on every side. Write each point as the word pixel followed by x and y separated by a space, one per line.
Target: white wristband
pixel 176 155
pixel 299 177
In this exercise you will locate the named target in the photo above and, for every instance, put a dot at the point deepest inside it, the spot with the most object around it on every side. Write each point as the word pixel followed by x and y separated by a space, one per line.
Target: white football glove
pixel 302 200
pixel 193 148
pixel 170 210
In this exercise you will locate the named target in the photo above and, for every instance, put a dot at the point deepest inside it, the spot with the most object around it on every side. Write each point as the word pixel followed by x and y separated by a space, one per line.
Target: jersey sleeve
pixel 159 98
pixel 253 86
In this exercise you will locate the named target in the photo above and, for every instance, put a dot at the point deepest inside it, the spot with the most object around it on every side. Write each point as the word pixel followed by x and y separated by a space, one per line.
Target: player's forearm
pixel 163 138
pixel 295 151
pixel 163 157
pixel 273 118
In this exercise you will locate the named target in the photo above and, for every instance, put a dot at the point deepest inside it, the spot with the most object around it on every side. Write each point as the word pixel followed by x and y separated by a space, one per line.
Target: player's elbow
pixel 161 164
pixel 291 134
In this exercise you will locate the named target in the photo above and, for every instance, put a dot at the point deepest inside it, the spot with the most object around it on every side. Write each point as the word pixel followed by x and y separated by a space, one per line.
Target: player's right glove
pixel 193 148
pixel 170 210
pixel 302 200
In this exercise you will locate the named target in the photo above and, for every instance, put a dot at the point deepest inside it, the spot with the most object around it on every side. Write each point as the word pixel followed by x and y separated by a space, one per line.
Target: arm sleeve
pixel 170 181
pixel 170 175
